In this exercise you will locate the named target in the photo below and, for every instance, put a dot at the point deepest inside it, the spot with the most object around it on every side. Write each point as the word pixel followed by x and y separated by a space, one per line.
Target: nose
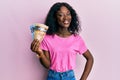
pixel 65 17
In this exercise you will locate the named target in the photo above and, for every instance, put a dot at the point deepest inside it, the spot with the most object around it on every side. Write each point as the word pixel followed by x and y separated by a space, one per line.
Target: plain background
pixel 100 20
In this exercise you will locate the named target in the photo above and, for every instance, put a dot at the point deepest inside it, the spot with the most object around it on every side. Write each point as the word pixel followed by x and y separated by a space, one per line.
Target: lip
pixel 66 22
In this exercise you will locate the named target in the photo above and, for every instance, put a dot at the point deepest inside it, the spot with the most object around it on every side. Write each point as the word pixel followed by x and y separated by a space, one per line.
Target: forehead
pixel 63 9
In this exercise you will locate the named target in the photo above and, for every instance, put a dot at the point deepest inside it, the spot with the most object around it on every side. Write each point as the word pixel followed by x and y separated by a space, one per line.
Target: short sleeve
pixel 44 45
pixel 82 46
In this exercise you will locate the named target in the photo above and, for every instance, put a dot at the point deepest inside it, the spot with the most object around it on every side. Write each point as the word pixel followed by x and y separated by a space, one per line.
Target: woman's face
pixel 64 17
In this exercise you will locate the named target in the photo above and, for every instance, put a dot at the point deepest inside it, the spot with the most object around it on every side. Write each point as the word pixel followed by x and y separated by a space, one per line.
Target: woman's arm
pixel 45 59
pixel 43 55
pixel 88 65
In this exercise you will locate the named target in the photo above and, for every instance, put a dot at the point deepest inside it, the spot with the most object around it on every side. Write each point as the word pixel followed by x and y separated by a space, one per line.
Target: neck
pixel 63 32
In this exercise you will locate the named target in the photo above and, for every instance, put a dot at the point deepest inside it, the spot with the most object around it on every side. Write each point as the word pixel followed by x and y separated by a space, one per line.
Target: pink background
pixel 101 32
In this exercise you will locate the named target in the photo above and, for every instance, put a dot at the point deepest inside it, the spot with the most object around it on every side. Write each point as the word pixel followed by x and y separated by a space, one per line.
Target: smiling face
pixel 64 17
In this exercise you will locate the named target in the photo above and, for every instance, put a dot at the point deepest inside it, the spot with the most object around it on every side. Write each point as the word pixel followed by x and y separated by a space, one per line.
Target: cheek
pixel 59 20
pixel 70 18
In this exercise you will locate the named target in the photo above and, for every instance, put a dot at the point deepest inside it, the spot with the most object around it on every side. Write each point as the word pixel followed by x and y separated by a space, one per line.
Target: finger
pixel 36 46
pixel 33 42
pixel 33 45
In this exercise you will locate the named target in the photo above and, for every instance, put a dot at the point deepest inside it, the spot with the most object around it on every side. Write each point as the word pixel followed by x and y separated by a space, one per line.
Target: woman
pixel 61 44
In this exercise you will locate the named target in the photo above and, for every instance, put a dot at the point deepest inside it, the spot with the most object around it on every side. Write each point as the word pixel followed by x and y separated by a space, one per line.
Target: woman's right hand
pixel 42 55
pixel 35 47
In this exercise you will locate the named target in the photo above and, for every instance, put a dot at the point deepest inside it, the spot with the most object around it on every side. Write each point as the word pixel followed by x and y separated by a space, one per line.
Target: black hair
pixel 52 22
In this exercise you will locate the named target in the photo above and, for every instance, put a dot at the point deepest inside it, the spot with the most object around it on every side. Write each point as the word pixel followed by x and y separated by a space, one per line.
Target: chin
pixel 66 26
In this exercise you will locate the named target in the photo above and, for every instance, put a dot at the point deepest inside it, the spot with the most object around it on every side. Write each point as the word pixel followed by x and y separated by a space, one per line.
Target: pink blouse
pixel 63 51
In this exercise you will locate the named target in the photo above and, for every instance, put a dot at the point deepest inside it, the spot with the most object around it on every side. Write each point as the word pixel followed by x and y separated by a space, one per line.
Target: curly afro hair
pixel 52 22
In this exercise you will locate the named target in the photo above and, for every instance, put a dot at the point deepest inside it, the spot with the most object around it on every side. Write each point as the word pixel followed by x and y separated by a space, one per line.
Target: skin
pixel 43 55
pixel 88 66
pixel 64 19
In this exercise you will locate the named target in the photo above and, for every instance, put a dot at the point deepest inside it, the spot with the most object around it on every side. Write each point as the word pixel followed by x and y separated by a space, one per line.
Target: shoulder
pixel 48 37
pixel 77 36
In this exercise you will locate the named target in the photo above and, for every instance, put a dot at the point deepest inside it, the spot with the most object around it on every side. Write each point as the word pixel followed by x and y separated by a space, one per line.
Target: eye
pixel 69 14
pixel 60 15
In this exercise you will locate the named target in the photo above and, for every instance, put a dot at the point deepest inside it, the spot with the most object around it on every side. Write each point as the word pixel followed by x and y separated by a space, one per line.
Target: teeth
pixel 66 22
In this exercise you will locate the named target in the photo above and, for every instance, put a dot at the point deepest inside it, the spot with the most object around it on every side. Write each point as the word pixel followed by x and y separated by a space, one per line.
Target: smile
pixel 66 22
